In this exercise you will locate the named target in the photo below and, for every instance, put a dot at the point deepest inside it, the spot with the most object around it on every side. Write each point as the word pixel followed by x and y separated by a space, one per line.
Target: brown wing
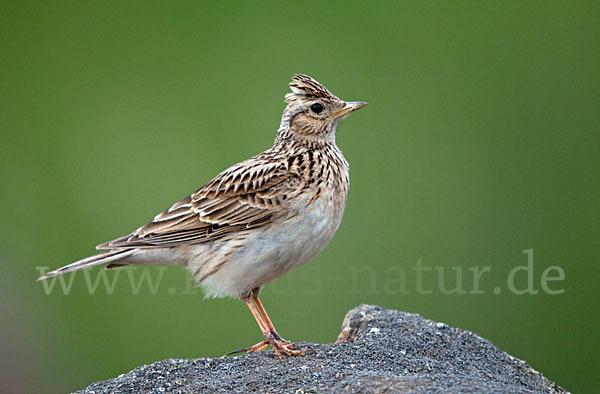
pixel 250 194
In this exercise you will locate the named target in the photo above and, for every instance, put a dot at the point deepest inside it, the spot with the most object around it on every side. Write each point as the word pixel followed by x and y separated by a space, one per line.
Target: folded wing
pixel 247 195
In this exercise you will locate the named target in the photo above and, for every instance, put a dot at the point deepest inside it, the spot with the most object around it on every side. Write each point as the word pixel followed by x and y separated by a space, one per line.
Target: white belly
pixel 267 253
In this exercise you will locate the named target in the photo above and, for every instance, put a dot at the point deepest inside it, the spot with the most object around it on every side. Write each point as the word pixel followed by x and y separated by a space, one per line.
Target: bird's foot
pixel 278 344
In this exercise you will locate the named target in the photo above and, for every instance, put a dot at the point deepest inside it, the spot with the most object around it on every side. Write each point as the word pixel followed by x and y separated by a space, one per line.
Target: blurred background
pixel 480 142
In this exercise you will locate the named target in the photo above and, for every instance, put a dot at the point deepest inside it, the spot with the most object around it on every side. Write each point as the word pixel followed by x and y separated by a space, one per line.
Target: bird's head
pixel 313 112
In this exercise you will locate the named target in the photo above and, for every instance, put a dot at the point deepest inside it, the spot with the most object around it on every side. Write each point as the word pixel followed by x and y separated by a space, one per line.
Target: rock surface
pixel 378 350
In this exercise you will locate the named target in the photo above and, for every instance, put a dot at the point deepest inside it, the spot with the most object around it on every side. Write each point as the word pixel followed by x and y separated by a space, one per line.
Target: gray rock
pixel 378 350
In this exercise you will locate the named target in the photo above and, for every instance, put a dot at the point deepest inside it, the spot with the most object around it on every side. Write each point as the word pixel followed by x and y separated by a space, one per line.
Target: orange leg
pixel 272 339
pixel 265 316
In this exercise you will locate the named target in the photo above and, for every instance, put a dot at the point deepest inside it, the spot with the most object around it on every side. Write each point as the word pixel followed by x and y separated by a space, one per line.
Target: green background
pixel 481 140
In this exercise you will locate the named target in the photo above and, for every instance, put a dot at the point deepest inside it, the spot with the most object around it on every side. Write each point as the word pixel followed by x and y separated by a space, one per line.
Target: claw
pixel 278 344
pixel 258 347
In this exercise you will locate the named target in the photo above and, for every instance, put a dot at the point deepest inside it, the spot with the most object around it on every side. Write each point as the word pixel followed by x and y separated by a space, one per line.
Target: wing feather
pixel 247 195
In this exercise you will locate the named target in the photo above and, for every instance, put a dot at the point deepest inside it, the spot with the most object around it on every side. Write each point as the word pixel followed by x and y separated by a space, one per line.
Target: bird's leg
pixel 265 316
pixel 272 339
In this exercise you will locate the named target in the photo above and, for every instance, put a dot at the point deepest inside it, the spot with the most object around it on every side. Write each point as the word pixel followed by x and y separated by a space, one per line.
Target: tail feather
pixel 97 259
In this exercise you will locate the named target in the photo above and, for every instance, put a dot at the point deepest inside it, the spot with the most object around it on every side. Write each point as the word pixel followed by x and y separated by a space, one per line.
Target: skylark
pixel 258 219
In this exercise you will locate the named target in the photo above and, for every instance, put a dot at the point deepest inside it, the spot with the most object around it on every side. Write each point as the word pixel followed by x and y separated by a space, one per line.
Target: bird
pixel 258 219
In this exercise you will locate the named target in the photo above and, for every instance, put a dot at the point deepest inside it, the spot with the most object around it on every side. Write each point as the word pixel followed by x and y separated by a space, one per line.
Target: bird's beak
pixel 345 111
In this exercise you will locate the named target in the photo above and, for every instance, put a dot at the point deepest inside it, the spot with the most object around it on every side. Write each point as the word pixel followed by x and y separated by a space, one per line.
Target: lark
pixel 258 219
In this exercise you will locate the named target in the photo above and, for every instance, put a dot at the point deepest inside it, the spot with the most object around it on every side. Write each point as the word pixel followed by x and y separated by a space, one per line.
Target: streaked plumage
pixel 258 219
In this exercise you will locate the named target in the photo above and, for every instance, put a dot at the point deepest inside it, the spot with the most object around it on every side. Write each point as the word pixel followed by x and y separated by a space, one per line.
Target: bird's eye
pixel 316 108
